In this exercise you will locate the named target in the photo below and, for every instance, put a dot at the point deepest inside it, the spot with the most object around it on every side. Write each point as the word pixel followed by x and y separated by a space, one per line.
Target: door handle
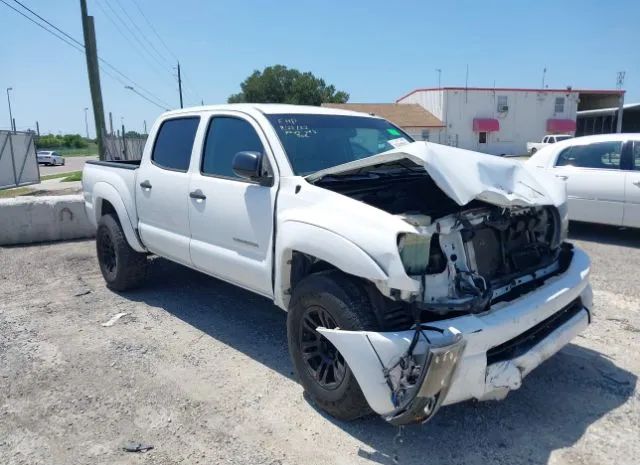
pixel 560 176
pixel 198 195
pixel 145 184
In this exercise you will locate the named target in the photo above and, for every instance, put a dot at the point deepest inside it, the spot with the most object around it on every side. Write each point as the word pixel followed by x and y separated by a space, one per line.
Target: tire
pixel 122 267
pixel 533 150
pixel 347 305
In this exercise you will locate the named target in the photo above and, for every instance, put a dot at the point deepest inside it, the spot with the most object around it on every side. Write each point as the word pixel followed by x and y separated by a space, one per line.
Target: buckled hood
pixel 465 175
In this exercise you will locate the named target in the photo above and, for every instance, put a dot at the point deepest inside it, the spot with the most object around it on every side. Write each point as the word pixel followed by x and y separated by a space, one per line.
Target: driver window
pixel 227 136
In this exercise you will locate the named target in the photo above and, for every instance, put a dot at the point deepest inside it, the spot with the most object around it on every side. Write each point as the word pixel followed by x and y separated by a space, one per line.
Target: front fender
pixel 104 191
pixel 324 245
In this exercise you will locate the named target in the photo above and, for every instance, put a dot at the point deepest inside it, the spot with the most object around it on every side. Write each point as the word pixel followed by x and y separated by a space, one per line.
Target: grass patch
pixel 75 176
pixel 92 149
pixel 55 176
pixel 8 193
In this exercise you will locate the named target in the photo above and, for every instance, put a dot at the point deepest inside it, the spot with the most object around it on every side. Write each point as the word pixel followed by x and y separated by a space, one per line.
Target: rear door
pixel 231 217
pixel 595 181
pixel 162 190
pixel 632 188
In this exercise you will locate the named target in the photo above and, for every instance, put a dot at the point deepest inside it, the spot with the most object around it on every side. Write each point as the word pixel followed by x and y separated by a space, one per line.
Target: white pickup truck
pixel 415 275
pixel 533 147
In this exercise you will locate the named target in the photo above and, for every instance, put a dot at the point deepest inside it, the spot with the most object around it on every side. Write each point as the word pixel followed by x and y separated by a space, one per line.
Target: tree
pixel 279 84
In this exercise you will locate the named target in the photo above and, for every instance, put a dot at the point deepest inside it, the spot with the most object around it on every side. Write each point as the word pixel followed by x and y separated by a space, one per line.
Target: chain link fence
pixel 18 163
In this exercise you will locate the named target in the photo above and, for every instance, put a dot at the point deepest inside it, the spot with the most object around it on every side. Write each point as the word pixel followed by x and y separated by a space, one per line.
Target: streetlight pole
pixel 11 122
pixel 86 122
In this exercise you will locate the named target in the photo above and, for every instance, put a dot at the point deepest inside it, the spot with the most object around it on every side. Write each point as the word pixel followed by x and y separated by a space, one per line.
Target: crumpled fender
pixel 315 241
pixel 103 190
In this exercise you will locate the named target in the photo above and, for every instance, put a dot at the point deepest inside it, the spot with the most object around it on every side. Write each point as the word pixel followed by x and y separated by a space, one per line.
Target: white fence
pixel 18 163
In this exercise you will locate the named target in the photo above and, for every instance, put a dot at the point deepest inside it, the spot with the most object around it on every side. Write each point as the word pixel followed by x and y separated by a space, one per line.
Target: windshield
pixel 317 142
pixel 560 138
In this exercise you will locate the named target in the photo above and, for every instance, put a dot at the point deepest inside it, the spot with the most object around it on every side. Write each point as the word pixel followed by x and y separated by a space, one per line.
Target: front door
pixel 162 190
pixel 231 217
pixel 595 181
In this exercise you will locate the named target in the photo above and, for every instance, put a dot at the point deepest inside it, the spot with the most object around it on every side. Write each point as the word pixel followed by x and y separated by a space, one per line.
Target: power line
pixel 154 30
pixel 143 35
pixel 150 101
pixel 138 45
pixel 77 45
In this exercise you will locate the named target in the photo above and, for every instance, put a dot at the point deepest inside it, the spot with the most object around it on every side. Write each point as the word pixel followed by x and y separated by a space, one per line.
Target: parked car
pixel 49 157
pixel 602 174
pixel 414 274
pixel 533 147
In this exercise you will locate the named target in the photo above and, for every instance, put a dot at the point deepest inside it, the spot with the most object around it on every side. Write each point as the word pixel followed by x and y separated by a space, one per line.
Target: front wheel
pixel 122 267
pixel 533 150
pixel 328 299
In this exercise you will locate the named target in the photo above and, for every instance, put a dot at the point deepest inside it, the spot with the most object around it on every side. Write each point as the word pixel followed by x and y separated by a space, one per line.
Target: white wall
pixel 435 134
pixel 432 100
pixel 525 121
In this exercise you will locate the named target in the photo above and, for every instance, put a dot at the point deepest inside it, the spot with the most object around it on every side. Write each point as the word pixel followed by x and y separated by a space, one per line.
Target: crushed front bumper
pixel 494 352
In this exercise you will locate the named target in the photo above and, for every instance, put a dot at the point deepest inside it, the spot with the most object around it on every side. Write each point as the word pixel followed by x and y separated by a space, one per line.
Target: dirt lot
pixel 199 369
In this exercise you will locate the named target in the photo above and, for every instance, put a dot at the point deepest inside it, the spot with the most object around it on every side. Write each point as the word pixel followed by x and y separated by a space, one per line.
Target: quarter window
pixel 559 106
pixel 174 142
pixel 603 155
pixel 226 137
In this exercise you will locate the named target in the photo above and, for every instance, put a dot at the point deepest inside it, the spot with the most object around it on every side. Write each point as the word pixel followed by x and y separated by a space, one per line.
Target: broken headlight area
pixel 405 376
pixel 467 260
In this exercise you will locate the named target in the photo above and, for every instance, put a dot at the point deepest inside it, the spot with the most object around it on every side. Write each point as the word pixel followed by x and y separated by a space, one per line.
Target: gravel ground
pixel 199 369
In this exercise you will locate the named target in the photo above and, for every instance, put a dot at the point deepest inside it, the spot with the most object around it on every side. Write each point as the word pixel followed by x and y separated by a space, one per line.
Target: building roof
pixel 402 114
pixel 517 89
pixel 610 110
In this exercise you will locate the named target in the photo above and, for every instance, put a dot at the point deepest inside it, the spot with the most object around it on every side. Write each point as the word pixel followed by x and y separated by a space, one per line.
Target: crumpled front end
pixel 407 375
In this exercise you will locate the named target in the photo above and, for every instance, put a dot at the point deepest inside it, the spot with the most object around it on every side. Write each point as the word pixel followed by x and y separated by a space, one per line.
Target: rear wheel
pixel 122 267
pixel 329 299
pixel 533 150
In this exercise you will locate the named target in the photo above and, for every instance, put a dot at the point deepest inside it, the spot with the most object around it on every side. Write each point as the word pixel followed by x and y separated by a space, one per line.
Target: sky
pixel 376 51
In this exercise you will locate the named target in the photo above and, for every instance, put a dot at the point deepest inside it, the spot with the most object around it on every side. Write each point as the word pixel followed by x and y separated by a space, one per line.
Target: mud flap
pixel 405 376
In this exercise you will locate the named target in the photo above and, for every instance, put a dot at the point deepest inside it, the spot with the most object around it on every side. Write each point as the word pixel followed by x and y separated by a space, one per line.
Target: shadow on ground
pixel 604 234
pixel 552 410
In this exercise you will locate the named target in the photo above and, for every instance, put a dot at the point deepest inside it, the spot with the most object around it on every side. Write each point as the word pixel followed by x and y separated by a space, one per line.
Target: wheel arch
pixel 106 199
pixel 302 248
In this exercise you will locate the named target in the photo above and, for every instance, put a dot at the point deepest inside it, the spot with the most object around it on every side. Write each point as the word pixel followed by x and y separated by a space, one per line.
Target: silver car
pixel 49 157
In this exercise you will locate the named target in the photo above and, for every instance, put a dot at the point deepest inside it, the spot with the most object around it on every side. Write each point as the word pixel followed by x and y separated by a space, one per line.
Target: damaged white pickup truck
pixel 415 275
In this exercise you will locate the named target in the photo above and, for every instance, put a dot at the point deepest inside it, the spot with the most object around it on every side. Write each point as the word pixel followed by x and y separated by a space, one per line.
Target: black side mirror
pixel 248 165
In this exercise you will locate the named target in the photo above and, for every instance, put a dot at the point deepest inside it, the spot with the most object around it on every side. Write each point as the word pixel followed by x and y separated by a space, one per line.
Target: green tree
pixel 279 84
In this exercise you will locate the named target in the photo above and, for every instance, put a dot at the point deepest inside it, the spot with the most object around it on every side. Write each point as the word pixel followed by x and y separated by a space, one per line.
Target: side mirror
pixel 248 165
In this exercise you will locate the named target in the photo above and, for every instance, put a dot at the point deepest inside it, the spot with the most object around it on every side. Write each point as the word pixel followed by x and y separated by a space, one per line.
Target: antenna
pixel 544 75
pixel 620 79
pixel 466 84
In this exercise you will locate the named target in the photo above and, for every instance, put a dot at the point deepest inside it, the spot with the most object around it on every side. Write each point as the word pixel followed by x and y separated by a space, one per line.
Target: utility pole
pixel 145 126
pixel 110 124
pixel 124 142
pixel 180 85
pixel 93 70
pixel 439 71
pixel 38 128
pixel 12 122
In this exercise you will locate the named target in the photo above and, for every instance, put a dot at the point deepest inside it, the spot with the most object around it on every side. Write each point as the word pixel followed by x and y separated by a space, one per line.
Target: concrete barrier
pixel 24 220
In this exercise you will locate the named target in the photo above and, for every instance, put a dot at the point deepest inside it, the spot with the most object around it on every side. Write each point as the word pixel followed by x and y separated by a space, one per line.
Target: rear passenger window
pixel 174 142
pixel 603 155
pixel 636 155
pixel 226 137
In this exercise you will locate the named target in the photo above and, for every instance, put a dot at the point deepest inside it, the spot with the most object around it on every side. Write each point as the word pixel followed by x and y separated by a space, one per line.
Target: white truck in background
pixel 533 147
pixel 414 275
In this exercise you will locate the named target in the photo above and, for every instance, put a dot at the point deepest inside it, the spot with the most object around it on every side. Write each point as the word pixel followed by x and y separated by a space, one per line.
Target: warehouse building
pixel 605 120
pixel 501 121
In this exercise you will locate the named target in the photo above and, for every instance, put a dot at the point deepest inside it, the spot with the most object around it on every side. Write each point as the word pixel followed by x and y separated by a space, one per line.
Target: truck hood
pixel 464 175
